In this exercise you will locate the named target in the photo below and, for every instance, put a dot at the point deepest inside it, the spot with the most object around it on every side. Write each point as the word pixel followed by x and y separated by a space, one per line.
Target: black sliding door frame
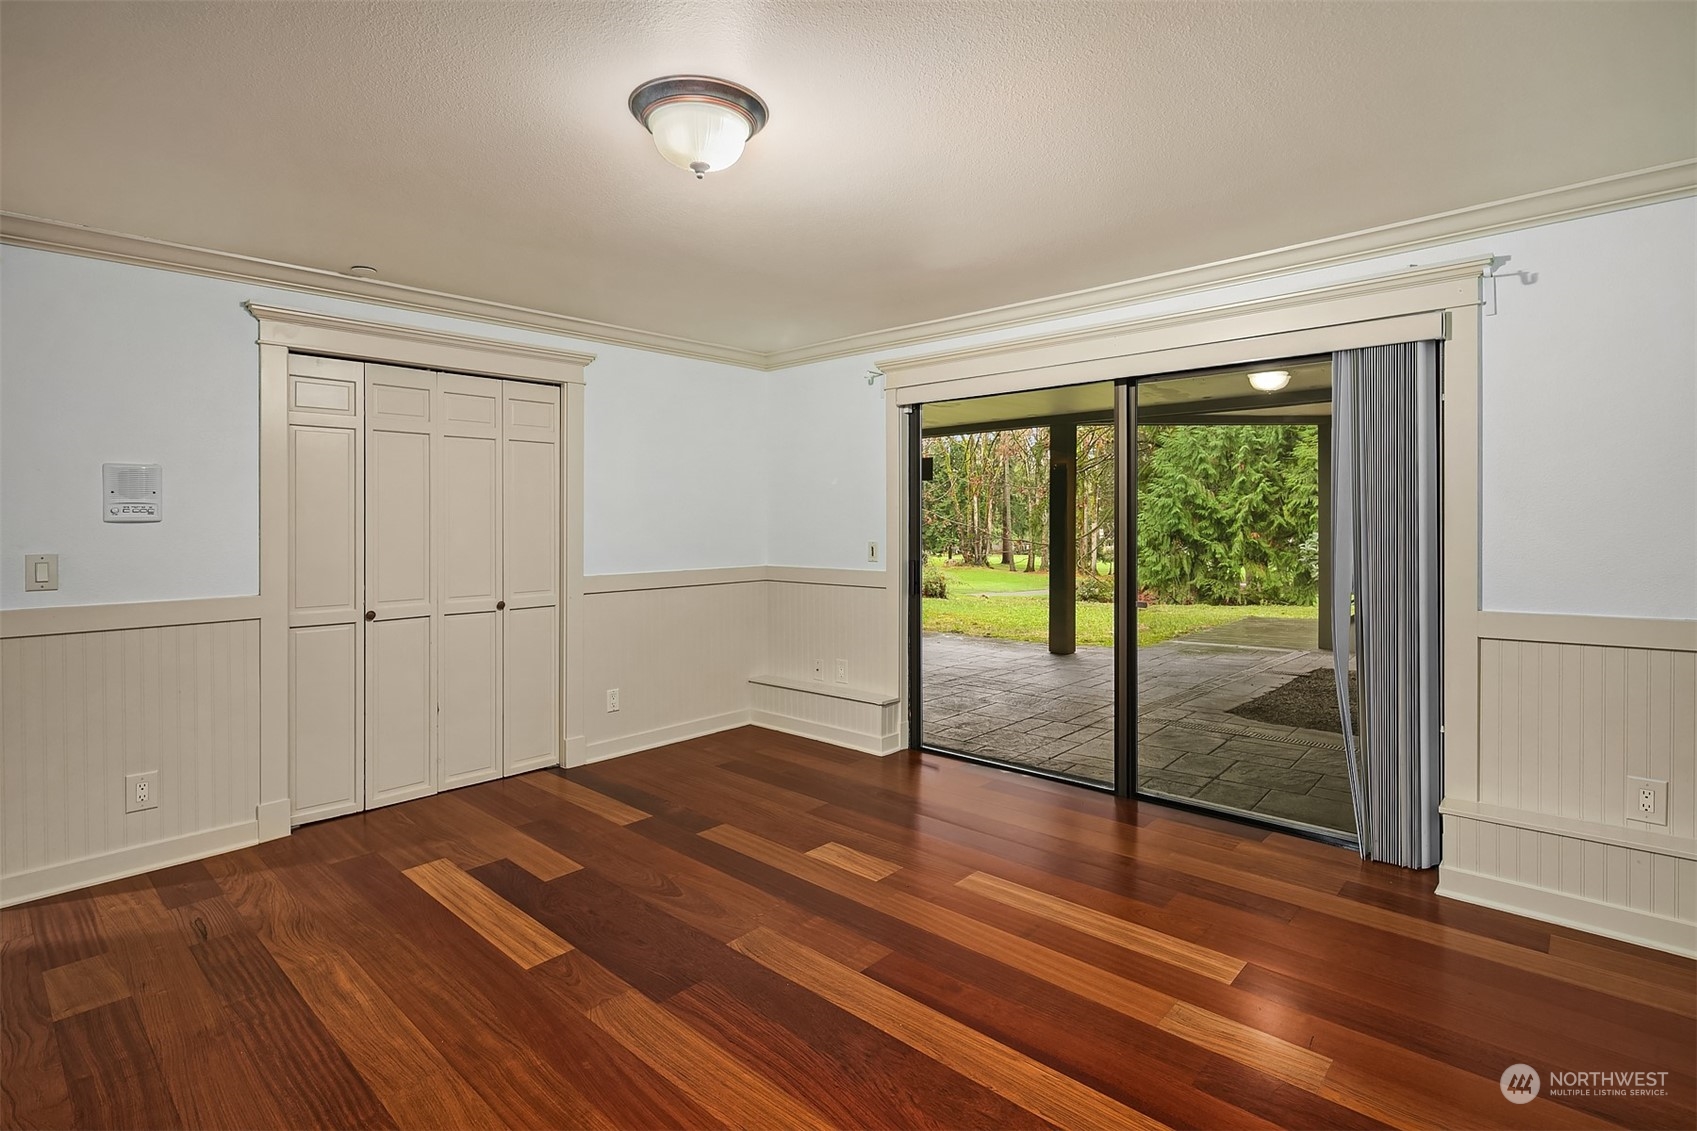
pixel 913 463
pixel 1125 589
pixel 1125 658
pixel 913 495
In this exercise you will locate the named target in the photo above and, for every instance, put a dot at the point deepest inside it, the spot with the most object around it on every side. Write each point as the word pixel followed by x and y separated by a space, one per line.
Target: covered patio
pixel 1023 704
pixel 1050 706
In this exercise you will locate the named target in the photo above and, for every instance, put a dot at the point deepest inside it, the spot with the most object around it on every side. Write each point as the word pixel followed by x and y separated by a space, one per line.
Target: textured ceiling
pixel 923 159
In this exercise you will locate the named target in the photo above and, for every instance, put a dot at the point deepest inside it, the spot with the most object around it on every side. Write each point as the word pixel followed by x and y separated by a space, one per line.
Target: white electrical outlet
pixel 612 699
pixel 872 551
pixel 842 671
pixel 1647 800
pixel 141 791
pixel 819 670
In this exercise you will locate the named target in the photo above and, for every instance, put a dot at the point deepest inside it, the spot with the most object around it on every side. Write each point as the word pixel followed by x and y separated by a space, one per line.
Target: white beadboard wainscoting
pixel 696 651
pixel 679 651
pixel 821 616
pixel 1536 816
pixel 1545 826
pixel 82 706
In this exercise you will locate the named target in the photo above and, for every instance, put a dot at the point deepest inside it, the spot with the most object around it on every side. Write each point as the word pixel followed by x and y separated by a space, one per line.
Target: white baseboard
pixel 1624 923
pixel 661 736
pixel 836 736
pixel 115 865
pixel 274 818
pixel 713 724
pixel 576 750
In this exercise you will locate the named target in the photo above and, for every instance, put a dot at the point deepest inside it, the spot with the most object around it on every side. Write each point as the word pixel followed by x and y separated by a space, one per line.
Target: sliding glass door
pixel 1017 524
pixel 1121 585
pixel 1237 705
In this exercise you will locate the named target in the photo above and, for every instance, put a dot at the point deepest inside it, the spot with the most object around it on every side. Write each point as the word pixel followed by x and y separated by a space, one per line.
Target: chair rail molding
pixel 60 620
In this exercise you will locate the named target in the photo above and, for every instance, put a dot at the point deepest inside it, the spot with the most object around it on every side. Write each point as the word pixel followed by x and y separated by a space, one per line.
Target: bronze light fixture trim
pixel 698 123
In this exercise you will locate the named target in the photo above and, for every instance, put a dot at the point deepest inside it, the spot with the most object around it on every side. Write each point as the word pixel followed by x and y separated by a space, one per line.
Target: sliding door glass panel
pixel 1017 525
pixel 1236 697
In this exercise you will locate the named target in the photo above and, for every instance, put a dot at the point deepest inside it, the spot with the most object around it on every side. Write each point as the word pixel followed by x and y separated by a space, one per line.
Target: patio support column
pixel 1063 538
pixel 1325 570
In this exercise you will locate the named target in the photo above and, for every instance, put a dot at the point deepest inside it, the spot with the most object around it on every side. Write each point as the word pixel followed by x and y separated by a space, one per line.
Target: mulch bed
pixel 1309 701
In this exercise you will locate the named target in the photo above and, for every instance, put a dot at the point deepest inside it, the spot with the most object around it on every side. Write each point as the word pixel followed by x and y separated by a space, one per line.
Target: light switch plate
pixel 41 571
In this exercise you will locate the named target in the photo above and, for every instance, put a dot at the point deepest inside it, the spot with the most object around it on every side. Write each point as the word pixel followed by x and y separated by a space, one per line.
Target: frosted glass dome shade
pixel 702 137
pixel 1270 380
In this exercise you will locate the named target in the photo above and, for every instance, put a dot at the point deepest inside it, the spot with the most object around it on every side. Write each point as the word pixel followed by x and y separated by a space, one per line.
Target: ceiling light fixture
pixel 699 123
pixel 1270 380
pixel 362 271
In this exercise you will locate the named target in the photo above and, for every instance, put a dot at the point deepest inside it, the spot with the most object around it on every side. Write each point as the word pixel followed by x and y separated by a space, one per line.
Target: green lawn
pixel 1027 618
pixel 966 580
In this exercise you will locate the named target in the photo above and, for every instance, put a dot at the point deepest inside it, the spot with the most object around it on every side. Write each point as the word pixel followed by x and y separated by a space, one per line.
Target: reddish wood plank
pixel 1198 972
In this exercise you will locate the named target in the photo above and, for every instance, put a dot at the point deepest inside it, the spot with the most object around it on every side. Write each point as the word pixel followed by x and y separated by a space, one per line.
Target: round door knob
pixel 499 605
pixel 371 614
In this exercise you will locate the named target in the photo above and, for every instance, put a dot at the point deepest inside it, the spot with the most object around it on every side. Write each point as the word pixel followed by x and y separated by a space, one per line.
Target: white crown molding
pixel 97 243
pixel 1606 194
pixel 310 332
pixel 1091 341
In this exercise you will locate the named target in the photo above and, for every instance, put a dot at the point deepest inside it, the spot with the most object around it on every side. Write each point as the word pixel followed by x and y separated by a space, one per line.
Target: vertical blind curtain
pixel 1385 481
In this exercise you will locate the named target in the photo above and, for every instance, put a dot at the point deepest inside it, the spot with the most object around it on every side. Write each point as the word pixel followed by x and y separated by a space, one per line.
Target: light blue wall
pixel 1588 464
pixel 105 362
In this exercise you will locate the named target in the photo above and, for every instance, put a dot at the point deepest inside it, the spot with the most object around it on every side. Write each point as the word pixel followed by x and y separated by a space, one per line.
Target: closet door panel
pixel 326 588
pixel 397 523
pixel 531 484
pixel 399 711
pixel 324 530
pixel 400 594
pixel 530 539
pixel 468 683
pixel 531 675
pixel 325 778
pixel 469 689
pixel 398 481
pixel 470 538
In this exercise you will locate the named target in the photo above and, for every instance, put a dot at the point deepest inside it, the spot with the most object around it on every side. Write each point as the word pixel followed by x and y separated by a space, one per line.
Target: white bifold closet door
pixel 326 586
pixel 400 585
pixel 468 672
pixel 530 543
pixel 424 582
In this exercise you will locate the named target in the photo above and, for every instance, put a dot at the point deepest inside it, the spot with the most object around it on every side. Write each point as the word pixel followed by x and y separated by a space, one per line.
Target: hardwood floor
pixel 755 930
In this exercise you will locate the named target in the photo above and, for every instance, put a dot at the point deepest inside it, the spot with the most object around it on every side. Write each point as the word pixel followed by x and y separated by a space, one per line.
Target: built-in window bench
pixel 832 712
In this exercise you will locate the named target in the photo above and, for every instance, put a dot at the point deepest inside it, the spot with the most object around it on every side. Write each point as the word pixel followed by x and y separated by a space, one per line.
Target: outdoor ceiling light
pixel 699 123
pixel 1270 380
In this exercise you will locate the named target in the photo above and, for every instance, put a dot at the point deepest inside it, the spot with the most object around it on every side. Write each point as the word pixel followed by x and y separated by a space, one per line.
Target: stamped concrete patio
pixel 1018 703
